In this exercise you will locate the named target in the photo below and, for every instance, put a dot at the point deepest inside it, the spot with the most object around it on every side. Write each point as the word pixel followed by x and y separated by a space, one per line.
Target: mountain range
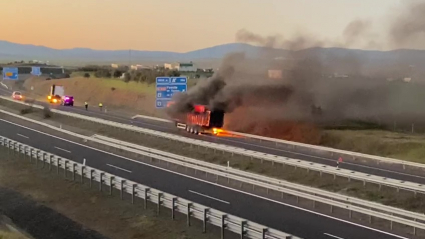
pixel 401 59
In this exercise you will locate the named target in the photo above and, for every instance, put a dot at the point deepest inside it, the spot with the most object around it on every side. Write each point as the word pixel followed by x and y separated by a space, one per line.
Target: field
pixel 138 98
pixel 404 146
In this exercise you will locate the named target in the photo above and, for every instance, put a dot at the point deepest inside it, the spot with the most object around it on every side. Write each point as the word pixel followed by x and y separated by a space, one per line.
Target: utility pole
pixel 129 58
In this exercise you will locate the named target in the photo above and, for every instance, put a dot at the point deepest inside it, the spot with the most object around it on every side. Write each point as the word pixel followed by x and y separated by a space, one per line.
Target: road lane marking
pixel 23 136
pixel 330 235
pixel 63 149
pixel 206 182
pixel 113 166
pixel 204 195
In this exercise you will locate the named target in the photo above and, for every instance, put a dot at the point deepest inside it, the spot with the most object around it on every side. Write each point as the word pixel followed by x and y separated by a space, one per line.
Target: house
pixel 115 66
pixel 139 67
pixel 182 67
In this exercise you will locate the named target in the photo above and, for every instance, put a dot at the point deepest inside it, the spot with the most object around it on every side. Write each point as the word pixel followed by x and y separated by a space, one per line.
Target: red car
pixel 16 95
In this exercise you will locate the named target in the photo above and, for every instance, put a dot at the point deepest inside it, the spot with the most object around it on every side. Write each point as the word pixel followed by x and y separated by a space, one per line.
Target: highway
pixel 288 218
pixel 384 170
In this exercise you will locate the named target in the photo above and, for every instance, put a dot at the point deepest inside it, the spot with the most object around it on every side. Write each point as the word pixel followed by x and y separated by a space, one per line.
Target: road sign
pixel 10 73
pixel 166 87
pixel 35 71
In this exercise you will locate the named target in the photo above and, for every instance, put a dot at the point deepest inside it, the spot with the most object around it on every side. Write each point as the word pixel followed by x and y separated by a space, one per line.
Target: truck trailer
pixel 201 120
pixel 57 96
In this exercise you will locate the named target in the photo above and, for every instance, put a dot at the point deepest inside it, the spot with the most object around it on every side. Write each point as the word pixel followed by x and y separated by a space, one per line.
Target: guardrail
pixel 274 159
pixel 294 145
pixel 391 214
pixel 346 202
pixel 245 228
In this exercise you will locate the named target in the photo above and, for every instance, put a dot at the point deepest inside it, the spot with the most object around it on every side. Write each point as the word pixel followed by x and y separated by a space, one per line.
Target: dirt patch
pixel 48 206
pixel 387 196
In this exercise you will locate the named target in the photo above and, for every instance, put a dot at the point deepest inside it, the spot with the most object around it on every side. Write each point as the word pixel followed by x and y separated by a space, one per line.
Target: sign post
pixel 166 87
pixel 10 73
pixel 35 71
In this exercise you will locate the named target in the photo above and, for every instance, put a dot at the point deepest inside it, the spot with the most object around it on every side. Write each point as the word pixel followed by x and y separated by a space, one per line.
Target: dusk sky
pixel 175 25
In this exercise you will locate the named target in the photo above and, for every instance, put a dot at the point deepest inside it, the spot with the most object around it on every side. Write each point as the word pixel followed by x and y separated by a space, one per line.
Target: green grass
pixel 403 146
pixel 148 89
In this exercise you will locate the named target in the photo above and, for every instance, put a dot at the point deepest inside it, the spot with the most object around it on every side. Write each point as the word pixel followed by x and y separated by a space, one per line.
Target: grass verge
pixel 106 215
pixel 384 195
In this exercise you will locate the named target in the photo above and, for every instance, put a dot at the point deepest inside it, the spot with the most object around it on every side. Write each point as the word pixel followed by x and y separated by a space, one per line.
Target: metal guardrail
pixel 316 195
pixel 332 151
pixel 274 159
pixel 346 202
pixel 245 228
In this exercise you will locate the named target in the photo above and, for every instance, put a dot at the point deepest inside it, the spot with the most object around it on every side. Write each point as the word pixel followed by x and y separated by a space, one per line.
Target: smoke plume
pixel 316 86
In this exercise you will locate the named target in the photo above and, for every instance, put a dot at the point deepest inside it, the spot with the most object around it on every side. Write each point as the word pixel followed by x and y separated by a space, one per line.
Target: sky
pixel 175 25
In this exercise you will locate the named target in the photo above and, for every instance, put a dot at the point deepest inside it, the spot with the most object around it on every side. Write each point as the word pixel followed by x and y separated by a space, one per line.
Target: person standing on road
pixel 86 105
pixel 100 106
pixel 338 162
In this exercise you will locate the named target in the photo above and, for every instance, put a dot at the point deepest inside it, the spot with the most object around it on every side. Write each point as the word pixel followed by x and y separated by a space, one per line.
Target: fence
pixel 390 214
pixel 274 159
pixel 207 215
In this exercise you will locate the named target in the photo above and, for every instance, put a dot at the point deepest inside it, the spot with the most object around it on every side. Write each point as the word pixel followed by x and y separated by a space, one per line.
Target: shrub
pixel 27 110
pixel 86 75
pixel 47 113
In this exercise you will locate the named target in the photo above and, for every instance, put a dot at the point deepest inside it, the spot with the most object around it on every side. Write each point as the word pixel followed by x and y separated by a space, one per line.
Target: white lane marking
pixel 4 85
pixel 327 159
pixel 211 183
pixel 23 136
pixel 115 117
pixel 63 149
pixel 113 166
pixel 330 235
pixel 257 145
pixel 213 198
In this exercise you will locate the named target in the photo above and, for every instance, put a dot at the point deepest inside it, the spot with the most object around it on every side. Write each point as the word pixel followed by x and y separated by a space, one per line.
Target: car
pixel 16 95
pixel 68 100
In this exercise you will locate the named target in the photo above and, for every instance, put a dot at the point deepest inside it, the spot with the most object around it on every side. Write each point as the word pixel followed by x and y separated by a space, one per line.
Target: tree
pixel 117 74
pixel 86 75
pixel 127 77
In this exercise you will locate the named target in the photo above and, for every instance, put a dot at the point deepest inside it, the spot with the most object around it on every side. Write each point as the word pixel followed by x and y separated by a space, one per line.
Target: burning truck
pixel 201 120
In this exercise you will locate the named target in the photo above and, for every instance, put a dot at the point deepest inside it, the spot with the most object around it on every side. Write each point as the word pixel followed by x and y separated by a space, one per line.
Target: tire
pixel 191 130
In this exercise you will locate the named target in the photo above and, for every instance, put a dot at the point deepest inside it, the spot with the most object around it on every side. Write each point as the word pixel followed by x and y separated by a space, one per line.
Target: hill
pixel 394 63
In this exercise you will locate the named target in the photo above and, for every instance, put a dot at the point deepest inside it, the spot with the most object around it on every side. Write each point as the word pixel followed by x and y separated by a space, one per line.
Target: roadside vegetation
pixel 49 206
pixel 387 196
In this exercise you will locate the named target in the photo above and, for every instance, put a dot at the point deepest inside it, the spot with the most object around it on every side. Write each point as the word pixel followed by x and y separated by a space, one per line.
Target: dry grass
pixel 105 214
pixel 113 93
pixel 378 142
pixel 386 196
pixel 11 235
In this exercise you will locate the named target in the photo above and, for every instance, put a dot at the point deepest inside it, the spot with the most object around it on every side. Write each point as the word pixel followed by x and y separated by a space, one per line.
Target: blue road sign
pixel 35 71
pixel 166 87
pixel 10 73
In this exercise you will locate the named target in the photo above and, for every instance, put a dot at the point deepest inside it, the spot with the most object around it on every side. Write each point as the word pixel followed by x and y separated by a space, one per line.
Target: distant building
pixel 182 67
pixel 115 66
pixel 275 74
pixel 407 79
pixel 139 67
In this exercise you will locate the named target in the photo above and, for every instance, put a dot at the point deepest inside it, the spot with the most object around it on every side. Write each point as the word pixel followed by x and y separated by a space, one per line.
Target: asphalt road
pixel 384 170
pixel 294 220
